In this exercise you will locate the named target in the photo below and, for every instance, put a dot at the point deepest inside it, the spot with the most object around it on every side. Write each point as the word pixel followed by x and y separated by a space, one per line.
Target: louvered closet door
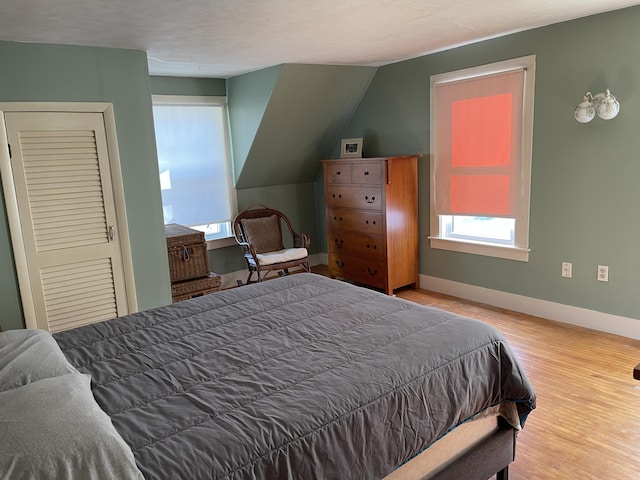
pixel 60 166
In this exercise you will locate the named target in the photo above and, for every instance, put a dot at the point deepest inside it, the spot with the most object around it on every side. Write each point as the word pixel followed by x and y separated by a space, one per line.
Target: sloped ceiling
pixel 223 39
pixel 284 119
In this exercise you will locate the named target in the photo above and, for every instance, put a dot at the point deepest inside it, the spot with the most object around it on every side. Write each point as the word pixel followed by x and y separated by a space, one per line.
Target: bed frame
pixel 475 450
pixel 457 443
pixel 490 457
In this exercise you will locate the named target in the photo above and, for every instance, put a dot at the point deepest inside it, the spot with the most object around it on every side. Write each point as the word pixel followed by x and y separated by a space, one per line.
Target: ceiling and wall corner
pixel 223 39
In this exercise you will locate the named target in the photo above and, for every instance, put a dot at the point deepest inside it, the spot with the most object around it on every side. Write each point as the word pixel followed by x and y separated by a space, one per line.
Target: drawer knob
pixel 339 264
pixel 338 172
pixel 372 272
pixel 369 200
pixel 339 242
pixel 366 173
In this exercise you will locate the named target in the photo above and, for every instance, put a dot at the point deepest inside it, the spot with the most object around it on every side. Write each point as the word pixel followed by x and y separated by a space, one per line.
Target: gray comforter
pixel 299 377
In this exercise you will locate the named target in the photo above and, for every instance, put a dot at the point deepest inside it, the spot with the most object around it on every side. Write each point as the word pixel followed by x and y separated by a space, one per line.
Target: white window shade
pixel 481 149
pixel 195 171
pixel 478 145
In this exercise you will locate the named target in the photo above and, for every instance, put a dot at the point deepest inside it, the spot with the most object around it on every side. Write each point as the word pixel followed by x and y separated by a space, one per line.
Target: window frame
pixel 220 101
pixel 438 239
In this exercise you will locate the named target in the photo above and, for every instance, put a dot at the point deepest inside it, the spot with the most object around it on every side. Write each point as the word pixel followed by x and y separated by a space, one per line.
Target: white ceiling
pixel 217 38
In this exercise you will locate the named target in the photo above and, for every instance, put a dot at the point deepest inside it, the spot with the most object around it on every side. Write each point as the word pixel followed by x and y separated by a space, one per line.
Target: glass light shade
pixel 585 111
pixel 607 107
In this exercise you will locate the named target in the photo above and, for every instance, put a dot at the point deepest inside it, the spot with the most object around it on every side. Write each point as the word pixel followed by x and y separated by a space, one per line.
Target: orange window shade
pixel 481 131
pixel 488 194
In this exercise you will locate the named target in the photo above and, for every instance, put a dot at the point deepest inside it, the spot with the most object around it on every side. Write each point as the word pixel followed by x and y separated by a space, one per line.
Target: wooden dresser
pixel 371 208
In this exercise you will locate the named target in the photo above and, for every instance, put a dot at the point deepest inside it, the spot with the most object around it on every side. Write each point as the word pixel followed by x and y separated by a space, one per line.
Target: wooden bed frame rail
pixel 490 457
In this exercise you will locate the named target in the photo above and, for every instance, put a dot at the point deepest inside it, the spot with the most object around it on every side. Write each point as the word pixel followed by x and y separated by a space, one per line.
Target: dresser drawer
pixel 367 173
pixel 368 246
pixel 361 270
pixel 338 173
pixel 369 222
pixel 368 198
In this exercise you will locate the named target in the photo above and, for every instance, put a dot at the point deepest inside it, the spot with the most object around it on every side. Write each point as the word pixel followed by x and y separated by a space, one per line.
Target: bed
pixel 298 377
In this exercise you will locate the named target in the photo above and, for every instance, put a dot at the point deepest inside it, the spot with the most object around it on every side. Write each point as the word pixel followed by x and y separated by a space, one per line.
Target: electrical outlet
pixel 567 269
pixel 603 273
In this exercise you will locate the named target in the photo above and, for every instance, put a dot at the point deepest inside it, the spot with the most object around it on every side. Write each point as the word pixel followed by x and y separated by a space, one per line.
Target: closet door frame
pixel 11 202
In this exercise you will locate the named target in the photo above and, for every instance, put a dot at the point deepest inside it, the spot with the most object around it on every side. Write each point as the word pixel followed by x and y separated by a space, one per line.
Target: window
pixel 481 139
pixel 194 162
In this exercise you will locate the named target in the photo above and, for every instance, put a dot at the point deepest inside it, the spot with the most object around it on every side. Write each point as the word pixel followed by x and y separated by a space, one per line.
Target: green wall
pixel 250 98
pixel 297 201
pixel 583 176
pixel 55 73
pixel 584 191
pixel 307 108
pixel 283 120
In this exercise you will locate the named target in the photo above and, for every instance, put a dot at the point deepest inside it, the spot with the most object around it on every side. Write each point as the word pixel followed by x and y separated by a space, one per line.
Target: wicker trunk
pixel 187 252
pixel 195 288
pixel 188 263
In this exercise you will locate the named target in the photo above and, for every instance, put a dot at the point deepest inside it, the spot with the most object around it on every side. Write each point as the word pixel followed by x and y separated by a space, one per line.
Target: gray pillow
pixel 54 429
pixel 29 355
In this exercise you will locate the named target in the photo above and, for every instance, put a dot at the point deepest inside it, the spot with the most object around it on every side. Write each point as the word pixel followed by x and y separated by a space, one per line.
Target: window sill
pixel 221 243
pixel 479 248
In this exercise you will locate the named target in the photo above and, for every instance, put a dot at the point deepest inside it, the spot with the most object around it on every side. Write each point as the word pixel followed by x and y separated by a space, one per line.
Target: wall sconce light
pixel 604 104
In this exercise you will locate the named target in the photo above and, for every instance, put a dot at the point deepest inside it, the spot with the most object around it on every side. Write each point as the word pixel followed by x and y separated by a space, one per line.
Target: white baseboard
pixel 231 279
pixel 604 322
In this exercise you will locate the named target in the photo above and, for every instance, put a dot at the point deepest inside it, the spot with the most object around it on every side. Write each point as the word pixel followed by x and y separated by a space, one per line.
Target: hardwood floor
pixel 587 421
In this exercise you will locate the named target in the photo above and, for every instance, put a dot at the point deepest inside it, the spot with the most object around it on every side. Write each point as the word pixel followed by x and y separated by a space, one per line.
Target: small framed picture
pixel 351 148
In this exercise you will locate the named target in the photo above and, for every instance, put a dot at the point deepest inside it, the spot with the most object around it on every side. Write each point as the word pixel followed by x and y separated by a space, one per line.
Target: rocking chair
pixel 258 230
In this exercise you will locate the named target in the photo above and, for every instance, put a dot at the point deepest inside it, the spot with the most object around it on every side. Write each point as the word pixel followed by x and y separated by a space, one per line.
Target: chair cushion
pixel 263 233
pixel 284 255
